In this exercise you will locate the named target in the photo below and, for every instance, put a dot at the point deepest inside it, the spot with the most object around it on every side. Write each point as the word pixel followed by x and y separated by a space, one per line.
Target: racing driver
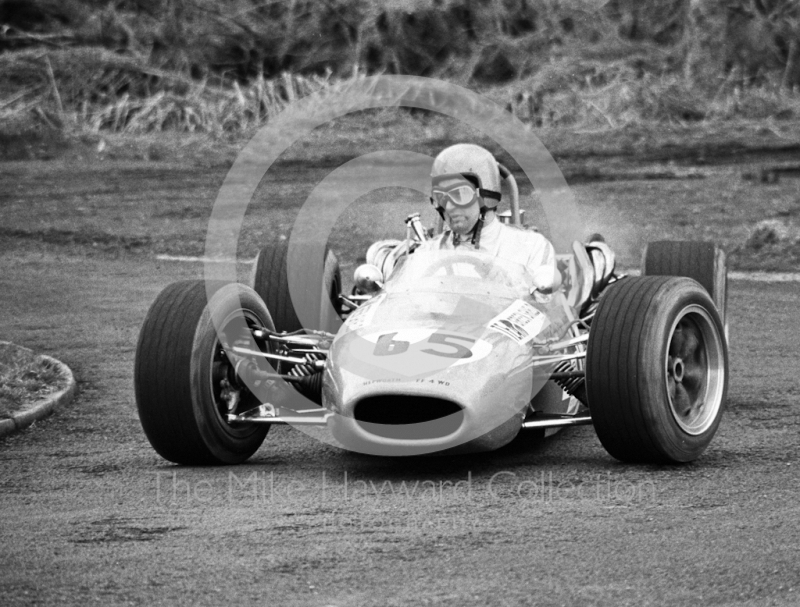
pixel 465 191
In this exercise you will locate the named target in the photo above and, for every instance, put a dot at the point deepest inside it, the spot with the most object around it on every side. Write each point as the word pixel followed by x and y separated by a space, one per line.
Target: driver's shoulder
pixel 521 234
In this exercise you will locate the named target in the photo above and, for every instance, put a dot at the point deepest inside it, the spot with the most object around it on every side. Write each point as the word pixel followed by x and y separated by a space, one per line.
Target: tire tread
pixel 164 350
pixel 163 381
pixel 271 282
pixel 623 399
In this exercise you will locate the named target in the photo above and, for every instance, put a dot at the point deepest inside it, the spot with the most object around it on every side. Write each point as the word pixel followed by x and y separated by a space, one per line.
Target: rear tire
pixel 656 369
pixel 270 279
pixel 179 367
pixel 703 261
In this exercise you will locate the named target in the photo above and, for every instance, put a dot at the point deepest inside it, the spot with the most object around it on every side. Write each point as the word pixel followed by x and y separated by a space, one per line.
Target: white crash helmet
pixel 469 158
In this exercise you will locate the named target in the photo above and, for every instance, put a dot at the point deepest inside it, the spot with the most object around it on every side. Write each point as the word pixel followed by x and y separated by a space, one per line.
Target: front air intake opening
pixel 408 417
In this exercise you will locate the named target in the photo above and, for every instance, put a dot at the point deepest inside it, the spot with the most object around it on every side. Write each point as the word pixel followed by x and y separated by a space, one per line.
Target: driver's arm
pixel 543 255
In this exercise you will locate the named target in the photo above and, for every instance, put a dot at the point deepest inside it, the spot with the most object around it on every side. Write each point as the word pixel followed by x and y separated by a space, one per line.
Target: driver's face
pixel 460 219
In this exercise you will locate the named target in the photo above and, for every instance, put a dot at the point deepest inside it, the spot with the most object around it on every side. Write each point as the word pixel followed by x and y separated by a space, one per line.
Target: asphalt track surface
pixel 91 515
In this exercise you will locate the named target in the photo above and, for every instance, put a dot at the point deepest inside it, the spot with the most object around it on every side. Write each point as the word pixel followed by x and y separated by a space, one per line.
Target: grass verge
pixel 24 378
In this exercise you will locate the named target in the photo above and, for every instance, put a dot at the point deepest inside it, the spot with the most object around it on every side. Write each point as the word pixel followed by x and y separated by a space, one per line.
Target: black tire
pixel 270 279
pixel 178 365
pixel 656 369
pixel 703 261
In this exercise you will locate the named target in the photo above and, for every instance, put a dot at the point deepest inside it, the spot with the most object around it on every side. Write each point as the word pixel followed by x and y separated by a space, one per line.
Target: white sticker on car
pixel 362 316
pixel 520 321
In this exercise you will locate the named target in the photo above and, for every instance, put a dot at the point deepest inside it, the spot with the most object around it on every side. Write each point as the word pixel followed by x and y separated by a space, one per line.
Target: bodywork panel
pixel 449 326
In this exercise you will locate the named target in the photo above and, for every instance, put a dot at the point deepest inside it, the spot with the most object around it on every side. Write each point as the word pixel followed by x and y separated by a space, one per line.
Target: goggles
pixel 462 194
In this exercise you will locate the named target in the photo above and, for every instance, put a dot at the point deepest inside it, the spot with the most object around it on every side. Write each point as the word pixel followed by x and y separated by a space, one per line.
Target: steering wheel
pixel 484 267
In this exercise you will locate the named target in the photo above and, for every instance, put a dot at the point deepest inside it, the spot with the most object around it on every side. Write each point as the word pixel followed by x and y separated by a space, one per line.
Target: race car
pixel 440 352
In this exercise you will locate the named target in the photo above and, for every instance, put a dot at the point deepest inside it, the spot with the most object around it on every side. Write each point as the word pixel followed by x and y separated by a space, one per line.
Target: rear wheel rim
pixel 694 370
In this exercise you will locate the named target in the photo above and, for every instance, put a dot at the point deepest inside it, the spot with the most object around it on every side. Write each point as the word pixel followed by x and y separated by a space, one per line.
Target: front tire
pixel 656 369
pixel 182 375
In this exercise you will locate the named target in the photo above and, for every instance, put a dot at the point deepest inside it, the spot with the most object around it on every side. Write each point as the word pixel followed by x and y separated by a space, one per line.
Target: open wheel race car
pixel 441 352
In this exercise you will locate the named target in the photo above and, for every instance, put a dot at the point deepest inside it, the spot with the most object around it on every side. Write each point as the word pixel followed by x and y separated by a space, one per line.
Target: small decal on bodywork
pixel 362 316
pixel 520 321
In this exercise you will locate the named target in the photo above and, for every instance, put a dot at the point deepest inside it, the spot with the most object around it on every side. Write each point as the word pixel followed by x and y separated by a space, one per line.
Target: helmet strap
pixel 476 231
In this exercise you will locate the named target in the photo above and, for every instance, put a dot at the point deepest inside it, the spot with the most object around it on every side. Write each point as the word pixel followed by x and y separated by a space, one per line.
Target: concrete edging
pixel 44 406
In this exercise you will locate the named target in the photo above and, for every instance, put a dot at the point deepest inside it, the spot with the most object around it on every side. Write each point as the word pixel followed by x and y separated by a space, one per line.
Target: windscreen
pixel 426 282
pixel 463 272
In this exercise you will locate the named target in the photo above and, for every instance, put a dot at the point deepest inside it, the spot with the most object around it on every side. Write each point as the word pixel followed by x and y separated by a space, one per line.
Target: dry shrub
pixel 773 245
pixel 488 41
pixel 139 66
pixel 592 94
pixel 484 41
pixel 102 90
pixel 770 233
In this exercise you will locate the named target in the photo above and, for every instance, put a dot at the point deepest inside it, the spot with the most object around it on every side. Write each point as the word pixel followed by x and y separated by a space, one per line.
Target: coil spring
pixel 571 385
pixel 574 386
pixel 312 387
pixel 306 368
